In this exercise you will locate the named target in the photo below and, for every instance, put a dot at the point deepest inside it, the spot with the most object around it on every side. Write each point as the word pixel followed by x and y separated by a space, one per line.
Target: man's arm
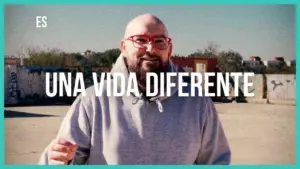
pixel 76 129
pixel 214 145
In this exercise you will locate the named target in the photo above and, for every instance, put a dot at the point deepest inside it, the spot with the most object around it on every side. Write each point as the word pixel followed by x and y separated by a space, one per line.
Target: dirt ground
pixel 257 133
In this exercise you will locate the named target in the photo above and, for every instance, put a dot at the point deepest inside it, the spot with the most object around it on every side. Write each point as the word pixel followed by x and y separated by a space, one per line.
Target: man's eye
pixel 159 41
pixel 141 40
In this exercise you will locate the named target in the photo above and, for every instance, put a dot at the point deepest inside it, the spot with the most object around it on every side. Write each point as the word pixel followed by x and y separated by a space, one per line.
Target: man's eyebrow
pixel 162 35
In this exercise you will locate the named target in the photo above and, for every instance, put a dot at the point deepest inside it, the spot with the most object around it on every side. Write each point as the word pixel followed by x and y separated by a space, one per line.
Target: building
pixel 87 53
pixel 253 62
pixel 12 61
pixel 201 65
pixel 279 60
pixel 195 64
pixel 293 62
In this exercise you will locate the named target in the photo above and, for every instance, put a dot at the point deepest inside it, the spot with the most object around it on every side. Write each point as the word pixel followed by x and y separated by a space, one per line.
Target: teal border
pixel 3 3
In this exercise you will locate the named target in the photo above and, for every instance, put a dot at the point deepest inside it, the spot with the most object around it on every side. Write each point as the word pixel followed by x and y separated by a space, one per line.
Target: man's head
pixel 146 46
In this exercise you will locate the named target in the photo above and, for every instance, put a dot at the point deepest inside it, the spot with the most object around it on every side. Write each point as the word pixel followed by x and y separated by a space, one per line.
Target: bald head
pixel 146 23
pixel 141 56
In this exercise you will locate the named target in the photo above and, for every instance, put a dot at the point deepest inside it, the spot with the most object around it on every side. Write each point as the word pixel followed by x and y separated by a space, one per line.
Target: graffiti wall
pixel 22 85
pixel 31 84
pixel 6 82
pixel 256 88
pixel 11 85
pixel 28 86
pixel 281 87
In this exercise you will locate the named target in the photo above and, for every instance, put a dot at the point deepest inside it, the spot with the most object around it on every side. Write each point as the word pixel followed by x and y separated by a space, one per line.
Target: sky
pixel 267 31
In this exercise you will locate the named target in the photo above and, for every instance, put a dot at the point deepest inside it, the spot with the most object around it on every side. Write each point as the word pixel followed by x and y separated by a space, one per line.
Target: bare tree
pixel 212 50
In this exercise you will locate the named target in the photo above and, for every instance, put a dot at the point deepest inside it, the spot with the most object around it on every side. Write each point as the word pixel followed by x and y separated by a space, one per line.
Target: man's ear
pixel 170 50
pixel 122 46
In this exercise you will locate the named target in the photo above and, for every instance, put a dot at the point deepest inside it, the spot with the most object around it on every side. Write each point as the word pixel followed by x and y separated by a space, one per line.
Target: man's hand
pixel 61 152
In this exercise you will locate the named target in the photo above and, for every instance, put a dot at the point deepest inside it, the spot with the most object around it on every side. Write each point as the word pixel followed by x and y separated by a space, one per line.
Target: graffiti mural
pixel 28 86
pixel 281 87
pixel 6 83
pixel 12 86
pixel 256 87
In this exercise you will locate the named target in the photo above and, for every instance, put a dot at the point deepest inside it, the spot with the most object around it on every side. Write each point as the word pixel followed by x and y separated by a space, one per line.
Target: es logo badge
pixel 41 21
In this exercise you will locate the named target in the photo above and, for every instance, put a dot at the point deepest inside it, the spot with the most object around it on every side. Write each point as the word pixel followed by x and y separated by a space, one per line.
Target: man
pixel 138 129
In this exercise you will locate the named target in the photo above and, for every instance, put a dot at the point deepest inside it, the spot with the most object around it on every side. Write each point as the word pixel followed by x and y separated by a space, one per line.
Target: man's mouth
pixel 150 59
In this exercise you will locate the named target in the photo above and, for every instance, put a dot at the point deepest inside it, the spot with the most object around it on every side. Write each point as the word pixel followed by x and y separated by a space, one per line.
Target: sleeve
pixel 214 148
pixel 75 128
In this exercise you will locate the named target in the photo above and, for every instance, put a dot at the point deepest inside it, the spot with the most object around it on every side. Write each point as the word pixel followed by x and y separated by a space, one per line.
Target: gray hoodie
pixel 134 130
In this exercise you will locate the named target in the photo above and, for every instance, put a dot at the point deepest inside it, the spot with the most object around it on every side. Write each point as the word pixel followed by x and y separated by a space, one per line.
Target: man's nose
pixel 150 47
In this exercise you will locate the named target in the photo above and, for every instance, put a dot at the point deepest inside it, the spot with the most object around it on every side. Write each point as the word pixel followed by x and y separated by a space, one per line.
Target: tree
pixel 112 55
pixel 229 61
pixel 177 55
pixel 211 51
pixel 52 57
pixel 198 53
pixel 106 58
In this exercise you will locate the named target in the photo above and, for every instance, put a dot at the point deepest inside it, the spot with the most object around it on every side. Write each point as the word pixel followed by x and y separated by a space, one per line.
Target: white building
pixel 251 63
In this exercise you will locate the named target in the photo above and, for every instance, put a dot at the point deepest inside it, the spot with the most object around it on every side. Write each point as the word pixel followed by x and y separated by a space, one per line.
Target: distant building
pixel 87 52
pixel 200 65
pixel 255 58
pixel 191 64
pixel 253 62
pixel 293 62
pixel 12 61
pixel 269 63
pixel 279 60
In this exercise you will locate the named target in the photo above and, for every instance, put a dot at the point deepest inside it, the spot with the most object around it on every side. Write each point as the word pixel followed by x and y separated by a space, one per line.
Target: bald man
pixel 139 129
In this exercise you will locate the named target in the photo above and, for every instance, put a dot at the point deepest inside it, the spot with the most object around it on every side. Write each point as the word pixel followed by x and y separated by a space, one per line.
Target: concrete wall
pixel 22 86
pixel 281 87
pixel 256 88
pixel 278 87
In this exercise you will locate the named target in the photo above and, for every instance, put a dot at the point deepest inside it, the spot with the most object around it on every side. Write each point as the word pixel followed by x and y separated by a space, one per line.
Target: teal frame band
pixel 6 2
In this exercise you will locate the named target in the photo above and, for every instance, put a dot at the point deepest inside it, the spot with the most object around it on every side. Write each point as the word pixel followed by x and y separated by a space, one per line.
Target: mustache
pixel 149 57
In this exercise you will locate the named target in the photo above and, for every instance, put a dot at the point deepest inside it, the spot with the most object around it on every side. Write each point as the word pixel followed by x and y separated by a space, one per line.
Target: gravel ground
pixel 257 133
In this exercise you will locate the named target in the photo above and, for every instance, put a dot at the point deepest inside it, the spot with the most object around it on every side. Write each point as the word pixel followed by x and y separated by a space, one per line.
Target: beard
pixel 143 64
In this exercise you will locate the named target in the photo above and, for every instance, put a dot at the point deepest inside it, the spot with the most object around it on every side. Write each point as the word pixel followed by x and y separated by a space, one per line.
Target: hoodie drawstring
pixel 157 101
pixel 159 105
pixel 136 99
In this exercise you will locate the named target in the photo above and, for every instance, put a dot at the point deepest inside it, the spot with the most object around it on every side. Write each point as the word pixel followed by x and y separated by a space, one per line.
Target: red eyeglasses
pixel 142 41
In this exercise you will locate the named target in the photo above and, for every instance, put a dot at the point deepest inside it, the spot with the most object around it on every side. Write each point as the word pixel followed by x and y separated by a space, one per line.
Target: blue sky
pixel 252 30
